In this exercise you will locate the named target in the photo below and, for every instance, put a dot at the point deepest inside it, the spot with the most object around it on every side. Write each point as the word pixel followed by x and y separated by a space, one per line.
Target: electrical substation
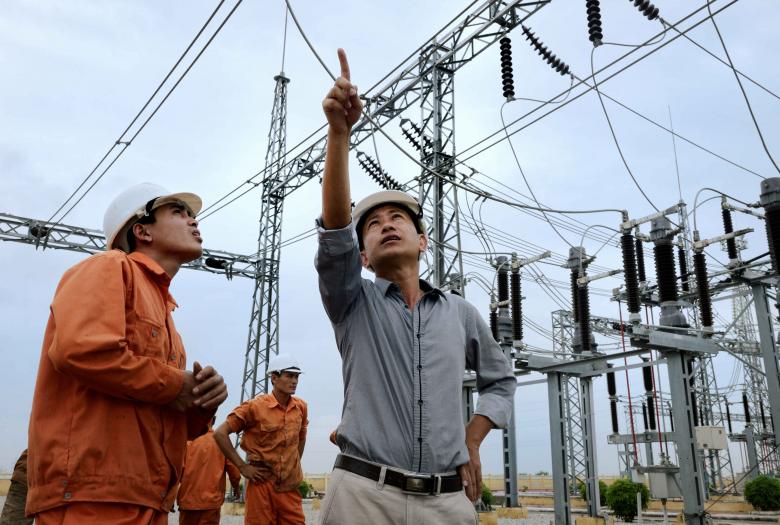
pixel 675 307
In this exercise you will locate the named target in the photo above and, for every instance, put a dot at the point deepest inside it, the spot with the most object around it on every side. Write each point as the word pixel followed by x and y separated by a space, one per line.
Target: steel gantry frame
pixel 56 236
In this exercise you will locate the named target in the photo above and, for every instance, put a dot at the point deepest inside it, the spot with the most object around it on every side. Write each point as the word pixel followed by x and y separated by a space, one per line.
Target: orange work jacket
pixel 272 434
pixel 111 362
pixel 203 481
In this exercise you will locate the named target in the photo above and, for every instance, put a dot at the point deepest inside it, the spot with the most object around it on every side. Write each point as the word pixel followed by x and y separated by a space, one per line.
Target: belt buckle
pixel 436 485
pixel 415 484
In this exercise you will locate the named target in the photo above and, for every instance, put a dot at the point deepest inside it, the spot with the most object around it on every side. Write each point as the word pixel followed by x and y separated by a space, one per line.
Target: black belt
pixel 412 483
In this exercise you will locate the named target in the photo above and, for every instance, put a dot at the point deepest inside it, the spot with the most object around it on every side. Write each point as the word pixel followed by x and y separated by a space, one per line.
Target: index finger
pixel 344 64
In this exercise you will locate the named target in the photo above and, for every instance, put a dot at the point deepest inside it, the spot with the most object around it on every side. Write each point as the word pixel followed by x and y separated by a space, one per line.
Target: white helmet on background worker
pixel 283 363
pixel 136 202
pixel 384 198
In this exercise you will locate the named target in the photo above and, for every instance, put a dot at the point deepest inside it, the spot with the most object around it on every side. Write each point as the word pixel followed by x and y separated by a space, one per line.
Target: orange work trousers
pixel 265 506
pixel 96 513
pixel 199 517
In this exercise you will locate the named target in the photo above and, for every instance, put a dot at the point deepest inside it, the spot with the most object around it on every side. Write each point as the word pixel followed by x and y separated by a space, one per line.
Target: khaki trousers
pixel 355 500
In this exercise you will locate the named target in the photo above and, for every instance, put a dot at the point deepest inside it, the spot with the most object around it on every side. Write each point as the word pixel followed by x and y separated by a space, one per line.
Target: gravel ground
pixel 534 518
pixel 540 518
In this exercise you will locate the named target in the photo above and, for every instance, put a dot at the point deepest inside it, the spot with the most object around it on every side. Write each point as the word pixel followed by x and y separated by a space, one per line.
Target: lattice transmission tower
pixel 263 340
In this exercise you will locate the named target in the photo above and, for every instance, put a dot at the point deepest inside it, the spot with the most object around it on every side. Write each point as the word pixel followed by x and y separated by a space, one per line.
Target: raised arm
pixel 342 107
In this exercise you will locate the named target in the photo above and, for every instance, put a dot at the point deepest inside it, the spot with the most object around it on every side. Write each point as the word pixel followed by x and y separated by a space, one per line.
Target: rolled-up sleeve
pixel 338 266
pixel 496 383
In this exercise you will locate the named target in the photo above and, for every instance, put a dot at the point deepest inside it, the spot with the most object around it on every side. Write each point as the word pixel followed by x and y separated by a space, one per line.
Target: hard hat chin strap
pixel 149 208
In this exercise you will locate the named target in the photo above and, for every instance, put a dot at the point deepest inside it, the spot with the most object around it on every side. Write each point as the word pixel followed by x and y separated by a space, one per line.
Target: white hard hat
pixel 383 198
pixel 131 205
pixel 283 362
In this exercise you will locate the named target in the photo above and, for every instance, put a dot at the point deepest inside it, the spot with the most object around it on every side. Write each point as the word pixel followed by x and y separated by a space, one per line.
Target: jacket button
pixel 67 495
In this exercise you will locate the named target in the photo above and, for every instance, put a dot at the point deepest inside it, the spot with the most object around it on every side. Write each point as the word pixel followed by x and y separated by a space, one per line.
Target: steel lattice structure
pixel 438 123
pixel 563 330
pixel 263 339
pixel 42 234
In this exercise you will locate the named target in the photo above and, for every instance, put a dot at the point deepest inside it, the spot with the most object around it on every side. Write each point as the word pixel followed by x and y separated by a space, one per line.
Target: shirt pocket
pixel 149 338
pixel 294 421
pixel 270 427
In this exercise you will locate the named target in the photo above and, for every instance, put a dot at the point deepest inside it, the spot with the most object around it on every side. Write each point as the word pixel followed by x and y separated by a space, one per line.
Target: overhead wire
pixel 562 217
pixel 722 194
pixel 478 233
pixel 716 57
pixel 464 158
pixel 409 156
pixel 210 209
pixel 525 179
pixel 741 88
pixel 214 207
pixel 125 143
pixel 482 222
pixel 612 130
pixel 581 82
pixel 674 149
pixel 562 220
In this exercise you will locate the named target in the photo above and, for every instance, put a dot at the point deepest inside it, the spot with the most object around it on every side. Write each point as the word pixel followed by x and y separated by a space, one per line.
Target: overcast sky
pixel 75 73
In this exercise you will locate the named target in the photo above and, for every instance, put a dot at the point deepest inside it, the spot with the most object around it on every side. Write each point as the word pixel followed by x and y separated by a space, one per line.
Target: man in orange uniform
pixel 202 489
pixel 113 404
pixel 274 427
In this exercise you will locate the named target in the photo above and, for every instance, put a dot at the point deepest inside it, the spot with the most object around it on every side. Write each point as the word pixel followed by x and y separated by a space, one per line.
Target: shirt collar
pixel 385 286
pixel 272 402
pixel 159 275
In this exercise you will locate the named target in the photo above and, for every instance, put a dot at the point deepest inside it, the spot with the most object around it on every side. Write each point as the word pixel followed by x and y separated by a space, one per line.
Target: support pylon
pixel 263 341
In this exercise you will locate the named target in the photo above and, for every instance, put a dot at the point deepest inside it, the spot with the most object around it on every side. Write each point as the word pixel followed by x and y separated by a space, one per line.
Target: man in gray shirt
pixel 406 455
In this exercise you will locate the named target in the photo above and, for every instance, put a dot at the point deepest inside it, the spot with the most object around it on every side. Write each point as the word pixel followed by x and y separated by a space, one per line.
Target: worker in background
pixel 202 489
pixel 405 454
pixel 274 435
pixel 114 406
pixel 13 508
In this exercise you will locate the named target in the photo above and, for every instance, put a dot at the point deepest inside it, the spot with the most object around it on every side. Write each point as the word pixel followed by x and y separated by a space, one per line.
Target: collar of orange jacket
pixel 272 402
pixel 160 276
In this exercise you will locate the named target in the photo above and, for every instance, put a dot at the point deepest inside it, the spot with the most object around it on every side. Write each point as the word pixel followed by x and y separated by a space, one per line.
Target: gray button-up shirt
pixel 403 369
